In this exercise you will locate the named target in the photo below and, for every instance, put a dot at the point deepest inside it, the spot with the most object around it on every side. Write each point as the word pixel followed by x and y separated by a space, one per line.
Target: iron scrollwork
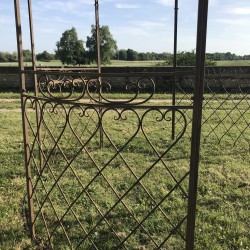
pixel 78 87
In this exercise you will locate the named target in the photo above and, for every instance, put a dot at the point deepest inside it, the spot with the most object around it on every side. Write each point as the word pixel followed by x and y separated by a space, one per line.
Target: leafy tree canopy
pixel 45 56
pixel 70 49
pixel 186 58
pixel 108 45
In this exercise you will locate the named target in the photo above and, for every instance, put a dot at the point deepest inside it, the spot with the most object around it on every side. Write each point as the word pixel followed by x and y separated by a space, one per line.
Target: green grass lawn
pixel 116 63
pixel 233 63
pixel 223 193
pixel 121 63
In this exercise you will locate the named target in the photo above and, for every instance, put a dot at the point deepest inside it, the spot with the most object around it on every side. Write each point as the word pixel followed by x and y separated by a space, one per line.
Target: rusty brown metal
pixel 33 58
pixel 176 8
pixel 70 109
pixel 196 121
pixel 97 27
pixel 24 118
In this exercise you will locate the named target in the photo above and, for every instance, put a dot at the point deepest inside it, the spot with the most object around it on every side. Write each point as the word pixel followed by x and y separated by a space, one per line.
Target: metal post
pixel 97 26
pixel 197 117
pixel 25 127
pixel 32 45
pixel 174 65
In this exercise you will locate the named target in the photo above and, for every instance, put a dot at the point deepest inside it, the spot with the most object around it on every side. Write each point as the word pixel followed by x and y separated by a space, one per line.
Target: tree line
pixel 71 50
pixel 12 57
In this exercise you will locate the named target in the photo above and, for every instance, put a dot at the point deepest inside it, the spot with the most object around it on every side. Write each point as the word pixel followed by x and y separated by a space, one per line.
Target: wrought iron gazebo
pixel 86 189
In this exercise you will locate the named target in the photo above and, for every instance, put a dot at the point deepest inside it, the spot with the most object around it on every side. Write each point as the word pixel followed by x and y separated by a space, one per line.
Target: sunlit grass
pixel 223 193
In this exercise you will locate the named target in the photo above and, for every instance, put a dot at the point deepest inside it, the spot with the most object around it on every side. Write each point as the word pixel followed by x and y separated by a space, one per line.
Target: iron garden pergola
pixel 67 128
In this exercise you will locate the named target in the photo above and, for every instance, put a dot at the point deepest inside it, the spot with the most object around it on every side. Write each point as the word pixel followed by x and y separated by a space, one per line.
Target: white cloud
pixel 166 2
pixel 126 6
pixel 213 3
pixel 232 21
pixel 148 24
pixel 240 11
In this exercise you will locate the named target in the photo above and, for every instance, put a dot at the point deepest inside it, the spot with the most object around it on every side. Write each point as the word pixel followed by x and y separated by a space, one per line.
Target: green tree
pixel 108 45
pixel 8 57
pixel 45 56
pixel 3 57
pixel 70 49
pixel 27 57
pixel 132 55
pixel 185 58
pixel 122 54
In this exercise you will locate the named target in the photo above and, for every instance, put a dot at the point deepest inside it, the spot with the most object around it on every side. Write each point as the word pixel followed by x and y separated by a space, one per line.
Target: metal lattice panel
pixel 103 173
pixel 85 196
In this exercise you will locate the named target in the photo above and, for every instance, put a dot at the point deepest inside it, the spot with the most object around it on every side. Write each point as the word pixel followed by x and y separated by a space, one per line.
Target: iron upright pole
pixel 197 118
pixel 174 65
pixel 32 45
pixel 97 26
pixel 24 119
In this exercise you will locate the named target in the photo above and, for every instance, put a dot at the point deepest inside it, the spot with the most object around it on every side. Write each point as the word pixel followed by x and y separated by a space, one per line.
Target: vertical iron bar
pixel 97 26
pixel 197 118
pixel 32 45
pixel 174 65
pixel 24 119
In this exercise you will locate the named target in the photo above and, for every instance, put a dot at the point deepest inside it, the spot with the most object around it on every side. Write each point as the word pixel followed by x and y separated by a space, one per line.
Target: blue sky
pixel 142 25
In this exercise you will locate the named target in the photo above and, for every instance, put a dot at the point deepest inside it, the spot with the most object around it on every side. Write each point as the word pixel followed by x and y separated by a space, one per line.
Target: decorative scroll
pixel 96 89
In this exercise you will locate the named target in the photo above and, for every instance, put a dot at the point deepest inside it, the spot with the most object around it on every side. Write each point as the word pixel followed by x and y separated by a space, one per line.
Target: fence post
pixel 97 28
pixel 24 119
pixel 197 117
pixel 174 65
pixel 38 114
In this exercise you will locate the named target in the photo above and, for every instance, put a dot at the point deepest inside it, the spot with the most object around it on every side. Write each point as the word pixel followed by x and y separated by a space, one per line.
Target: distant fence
pixel 232 75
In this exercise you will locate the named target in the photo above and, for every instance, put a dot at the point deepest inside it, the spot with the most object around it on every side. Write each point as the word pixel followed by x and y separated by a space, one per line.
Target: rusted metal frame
pixel 35 196
pixel 135 183
pixel 158 155
pixel 205 121
pixel 97 27
pixel 224 118
pixel 61 191
pixel 116 105
pixel 155 208
pixel 116 194
pixel 65 198
pixel 133 173
pixel 144 188
pixel 103 217
pixel 56 181
pixel 228 114
pixel 111 185
pixel 32 45
pixel 24 120
pixel 61 174
pixel 197 118
pixel 174 65
pixel 84 148
pixel 98 175
pixel 79 181
pixel 50 201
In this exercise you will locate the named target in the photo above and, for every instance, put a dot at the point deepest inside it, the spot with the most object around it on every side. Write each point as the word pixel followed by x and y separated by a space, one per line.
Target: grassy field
pixel 233 63
pixel 223 193
pixel 115 63
pixel 120 63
